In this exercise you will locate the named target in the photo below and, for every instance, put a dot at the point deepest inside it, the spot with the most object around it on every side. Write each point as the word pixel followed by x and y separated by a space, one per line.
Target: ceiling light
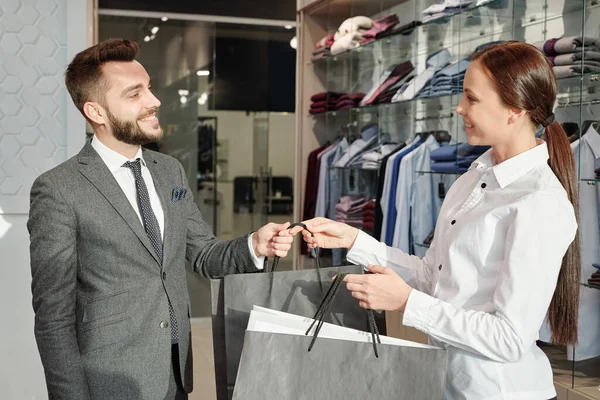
pixel 154 30
pixel 294 43
pixel 183 92
pixel 147 38
pixel 288 26
pixel 183 99
pixel 152 37
pixel 203 72
pixel 164 19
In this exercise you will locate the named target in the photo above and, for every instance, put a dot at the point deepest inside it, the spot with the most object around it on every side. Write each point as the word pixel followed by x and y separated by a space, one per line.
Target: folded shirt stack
pixel 349 210
pixel 369 216
pixel 347 101
pixel 572 55
pixel 350 34
pixel 455 158
pixel 448 80
pixel 380 27
pixel 444 9
pixel 386 87
pixel 413 86
pixel 323 48
pixel 324 101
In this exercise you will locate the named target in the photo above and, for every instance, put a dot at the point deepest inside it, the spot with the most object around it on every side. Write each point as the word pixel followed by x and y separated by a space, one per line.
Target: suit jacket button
pixel 164 324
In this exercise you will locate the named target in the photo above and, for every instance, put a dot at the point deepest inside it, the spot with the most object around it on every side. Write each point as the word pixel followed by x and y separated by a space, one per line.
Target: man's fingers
pixel 281 246
pixel 283 239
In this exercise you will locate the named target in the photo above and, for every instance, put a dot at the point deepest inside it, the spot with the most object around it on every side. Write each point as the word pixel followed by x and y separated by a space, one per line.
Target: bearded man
pixel 111 230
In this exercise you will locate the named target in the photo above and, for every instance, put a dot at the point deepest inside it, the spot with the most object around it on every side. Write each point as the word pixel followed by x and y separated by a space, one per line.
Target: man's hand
pixel 328 234
pixel 268 242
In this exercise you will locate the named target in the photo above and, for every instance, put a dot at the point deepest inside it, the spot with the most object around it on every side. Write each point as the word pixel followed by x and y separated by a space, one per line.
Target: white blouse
pixel 483 288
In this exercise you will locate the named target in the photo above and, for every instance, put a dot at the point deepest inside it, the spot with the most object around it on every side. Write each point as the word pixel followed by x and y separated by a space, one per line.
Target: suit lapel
pixel 94 169
pixel 162 189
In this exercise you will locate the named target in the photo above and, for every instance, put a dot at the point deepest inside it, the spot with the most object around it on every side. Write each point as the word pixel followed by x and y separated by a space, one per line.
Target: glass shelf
pixel 578 89
pixel 399 45
pixel 357 168
pixel 590 181
pixel 439 173
pixel 590 286
pixel 443 102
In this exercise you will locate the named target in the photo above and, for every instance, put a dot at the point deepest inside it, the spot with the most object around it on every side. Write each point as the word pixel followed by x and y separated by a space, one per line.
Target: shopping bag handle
pixel 324 309
pixel 318 261
pixel 295 224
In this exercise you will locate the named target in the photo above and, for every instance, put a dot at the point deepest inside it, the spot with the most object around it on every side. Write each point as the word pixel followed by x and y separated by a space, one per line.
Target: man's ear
pixel 515 114
pixel 95 112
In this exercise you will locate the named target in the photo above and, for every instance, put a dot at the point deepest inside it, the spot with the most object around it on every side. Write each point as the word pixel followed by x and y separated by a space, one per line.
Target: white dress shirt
pixel 126 180
pixel 484 286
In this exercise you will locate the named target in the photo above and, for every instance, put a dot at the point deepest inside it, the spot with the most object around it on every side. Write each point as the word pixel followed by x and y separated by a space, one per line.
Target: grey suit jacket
pixel 99 291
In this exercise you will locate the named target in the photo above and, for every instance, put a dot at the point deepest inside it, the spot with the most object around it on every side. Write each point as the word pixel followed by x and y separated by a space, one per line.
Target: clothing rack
pixel 578 104
pixel 434 117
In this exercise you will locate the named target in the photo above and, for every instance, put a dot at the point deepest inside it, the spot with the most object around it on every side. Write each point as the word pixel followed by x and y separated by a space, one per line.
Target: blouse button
pixel 440 267
pixel 483 185
pixel 453 222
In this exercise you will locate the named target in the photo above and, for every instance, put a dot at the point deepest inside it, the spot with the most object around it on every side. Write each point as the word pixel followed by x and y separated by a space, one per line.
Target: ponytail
pixel 564 308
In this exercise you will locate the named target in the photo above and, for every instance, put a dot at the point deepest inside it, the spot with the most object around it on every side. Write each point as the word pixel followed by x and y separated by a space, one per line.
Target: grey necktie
pixel 151 227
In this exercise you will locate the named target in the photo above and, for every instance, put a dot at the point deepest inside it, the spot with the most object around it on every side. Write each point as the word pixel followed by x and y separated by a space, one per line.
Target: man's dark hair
pixel 84 78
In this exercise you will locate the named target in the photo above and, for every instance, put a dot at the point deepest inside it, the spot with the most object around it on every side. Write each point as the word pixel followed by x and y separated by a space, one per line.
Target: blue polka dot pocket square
pixel 178 194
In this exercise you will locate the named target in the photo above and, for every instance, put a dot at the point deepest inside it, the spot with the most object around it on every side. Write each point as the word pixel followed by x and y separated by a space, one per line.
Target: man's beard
pixel 129 131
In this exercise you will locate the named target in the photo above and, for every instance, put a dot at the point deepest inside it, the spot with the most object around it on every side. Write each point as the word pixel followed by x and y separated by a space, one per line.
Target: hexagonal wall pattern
pixel 34 100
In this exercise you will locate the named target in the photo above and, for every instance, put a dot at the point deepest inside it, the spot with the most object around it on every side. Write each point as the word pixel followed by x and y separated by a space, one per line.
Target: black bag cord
pixel 324 309
pixel 318 261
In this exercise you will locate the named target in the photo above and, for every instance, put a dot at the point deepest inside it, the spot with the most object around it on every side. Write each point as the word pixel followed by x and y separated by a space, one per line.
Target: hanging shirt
pixel 392 213
pixel 417 160
pixel 485 284
pixel 586 152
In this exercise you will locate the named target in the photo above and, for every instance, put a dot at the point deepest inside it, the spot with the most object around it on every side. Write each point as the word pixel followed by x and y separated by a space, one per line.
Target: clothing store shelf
pixel 470 19
pixel 441 103
pixel 579 90
pixel 590 286
pixel 590 181
pixel 358 168
pixel 439 173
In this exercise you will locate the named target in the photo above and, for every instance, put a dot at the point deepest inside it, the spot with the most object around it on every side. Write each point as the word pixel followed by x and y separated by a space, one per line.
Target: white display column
pixel 39 129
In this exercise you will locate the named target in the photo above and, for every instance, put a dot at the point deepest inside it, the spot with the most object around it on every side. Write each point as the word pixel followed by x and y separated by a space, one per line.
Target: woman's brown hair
pixel 524 79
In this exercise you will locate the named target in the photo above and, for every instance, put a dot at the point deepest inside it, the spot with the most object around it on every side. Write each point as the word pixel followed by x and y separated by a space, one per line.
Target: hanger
pixel 586 125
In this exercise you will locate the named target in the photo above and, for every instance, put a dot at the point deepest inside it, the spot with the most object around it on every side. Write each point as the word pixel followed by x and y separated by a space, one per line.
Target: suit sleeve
pixel 53 251
pixel 207 255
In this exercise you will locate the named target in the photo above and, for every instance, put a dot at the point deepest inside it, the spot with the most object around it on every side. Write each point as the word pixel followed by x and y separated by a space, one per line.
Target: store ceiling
pixel 263 9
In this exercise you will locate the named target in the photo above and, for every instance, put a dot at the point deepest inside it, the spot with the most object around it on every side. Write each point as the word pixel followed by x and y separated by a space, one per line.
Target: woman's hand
pixel 328 234
pixel 381 290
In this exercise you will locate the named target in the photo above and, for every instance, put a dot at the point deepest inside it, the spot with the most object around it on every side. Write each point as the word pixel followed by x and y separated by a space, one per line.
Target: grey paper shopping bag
pixel 295 292
pixel 276 364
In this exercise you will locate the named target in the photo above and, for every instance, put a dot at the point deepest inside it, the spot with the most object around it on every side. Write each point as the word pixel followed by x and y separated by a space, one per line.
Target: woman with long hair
pixel 505 252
